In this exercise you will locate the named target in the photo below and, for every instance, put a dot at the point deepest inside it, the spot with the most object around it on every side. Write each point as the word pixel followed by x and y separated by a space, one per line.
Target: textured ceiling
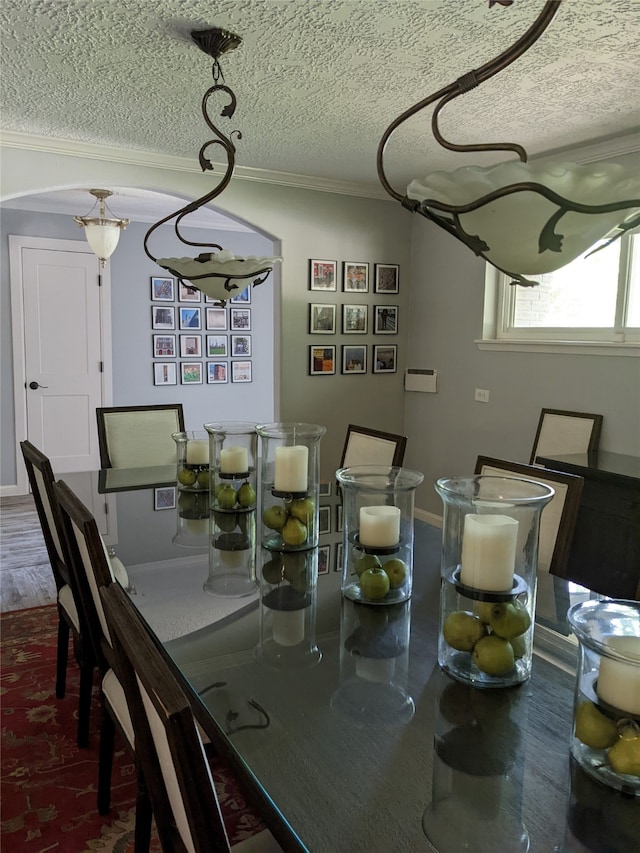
pixel 318 81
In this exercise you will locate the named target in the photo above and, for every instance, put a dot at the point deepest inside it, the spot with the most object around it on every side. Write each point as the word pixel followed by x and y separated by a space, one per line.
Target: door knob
pixel 34 385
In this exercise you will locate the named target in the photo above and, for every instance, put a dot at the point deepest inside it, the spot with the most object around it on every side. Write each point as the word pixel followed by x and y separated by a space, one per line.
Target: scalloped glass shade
pixel 219 272
pixel 511 226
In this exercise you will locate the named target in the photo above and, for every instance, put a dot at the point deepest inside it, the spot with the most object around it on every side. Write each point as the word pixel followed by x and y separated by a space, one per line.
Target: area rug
pixel 48 784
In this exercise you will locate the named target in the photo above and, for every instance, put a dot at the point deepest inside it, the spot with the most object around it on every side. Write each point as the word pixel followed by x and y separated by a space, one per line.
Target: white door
pixel 59 362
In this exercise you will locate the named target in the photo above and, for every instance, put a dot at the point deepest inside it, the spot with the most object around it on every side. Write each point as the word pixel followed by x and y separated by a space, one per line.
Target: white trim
pixel 564 347
pixel 428 517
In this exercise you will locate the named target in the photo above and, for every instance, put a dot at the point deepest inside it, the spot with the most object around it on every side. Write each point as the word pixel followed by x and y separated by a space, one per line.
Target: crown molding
pixel 90 151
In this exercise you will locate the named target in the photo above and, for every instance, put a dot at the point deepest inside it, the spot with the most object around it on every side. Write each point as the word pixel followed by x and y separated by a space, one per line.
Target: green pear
pixel 368 561
pixel 275 517
pixel 624 756
pixel 493 655
pixel 272 571
pixel 294 532
pixel 226 497
pixel 187 477
pixel 509 620
pixel 203 478
pixel 225 521
pixel 519 646
pixel 246 495
pixel 482 609
pixel 294 565
pixel 593 728
pixel 303 509
pixel 462 630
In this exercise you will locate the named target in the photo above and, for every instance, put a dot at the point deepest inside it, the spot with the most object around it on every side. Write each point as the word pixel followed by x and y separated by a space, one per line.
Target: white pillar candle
pixel 489 552
pixel 375 669
pixel 379 526
pixel 234 460
pixel 197 452
pixel 618 681
pixel 291 468
pixel 197 526
pixel 288 627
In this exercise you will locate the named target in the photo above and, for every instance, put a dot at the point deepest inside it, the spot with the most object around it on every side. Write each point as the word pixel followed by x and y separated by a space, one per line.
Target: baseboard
pixel 429 517
pixel 10 492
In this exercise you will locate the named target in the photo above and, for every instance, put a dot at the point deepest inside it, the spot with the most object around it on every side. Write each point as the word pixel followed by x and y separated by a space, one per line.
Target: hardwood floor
pixel 26 579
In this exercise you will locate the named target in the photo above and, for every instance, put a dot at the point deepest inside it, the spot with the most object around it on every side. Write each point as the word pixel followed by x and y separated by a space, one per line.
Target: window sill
pixel 565 347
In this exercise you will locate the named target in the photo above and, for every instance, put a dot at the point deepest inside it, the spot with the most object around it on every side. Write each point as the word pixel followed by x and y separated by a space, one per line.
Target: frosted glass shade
pixel 218 271
pixel 103 237
pixel 511 226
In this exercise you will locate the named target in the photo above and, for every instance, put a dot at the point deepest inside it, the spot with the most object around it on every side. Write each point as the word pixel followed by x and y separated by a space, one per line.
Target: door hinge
pixel 101 366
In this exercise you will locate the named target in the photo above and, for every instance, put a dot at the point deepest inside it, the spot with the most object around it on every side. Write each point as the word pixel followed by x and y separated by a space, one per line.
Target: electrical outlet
pixel 482 395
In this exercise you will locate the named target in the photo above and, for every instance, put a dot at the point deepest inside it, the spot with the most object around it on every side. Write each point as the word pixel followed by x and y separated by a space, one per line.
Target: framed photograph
pixel 240 319
pixel 354 359
pixel 324 490
pixel 164 498
pixel 385 320
pixel 322 360
pixel 162 289
pixel 217 372
pixel 216 319
pixel 385 358
pixel 191 372
pixel 323 275
pixel 243 298
pixel 216 346
pixel 191 346
pixel 339 518
pixel 354 319
pixel 324 559
pixel 165 373
pixel 241 371
pixel 241 345
pixel 189 294
pixel 355 277
pixel 324 519
pixel 322 319
pixel 163 317
pixel 190 318
pixel 337 566
pixel 386 278
pixel 164 346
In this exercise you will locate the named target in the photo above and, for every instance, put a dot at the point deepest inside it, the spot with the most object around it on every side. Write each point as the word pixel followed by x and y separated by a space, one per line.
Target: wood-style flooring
pixel 26 579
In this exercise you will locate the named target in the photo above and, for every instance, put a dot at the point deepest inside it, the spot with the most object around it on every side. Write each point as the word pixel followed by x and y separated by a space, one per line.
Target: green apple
pixel 275 517
pixel 303 509
pixel 493 655
pixel 187 477
pixel 397 571
pixel 593 728
pixel 227 497
pixel 624 756
pixel 272 571
pixel 462 630
pixel 294 532
pixel 203 478
pixel 509 620
pixel 246 495
pixel 294 565
pixel 374 584
pixel 225 521
pixel 368 561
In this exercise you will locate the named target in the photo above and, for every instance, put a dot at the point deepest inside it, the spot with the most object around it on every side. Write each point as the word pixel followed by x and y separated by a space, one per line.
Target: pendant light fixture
pixel 524 218
pixel 102 232
pixel 219 273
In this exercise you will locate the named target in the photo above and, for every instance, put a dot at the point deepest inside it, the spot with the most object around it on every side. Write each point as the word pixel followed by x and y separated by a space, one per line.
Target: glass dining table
pixel 359 742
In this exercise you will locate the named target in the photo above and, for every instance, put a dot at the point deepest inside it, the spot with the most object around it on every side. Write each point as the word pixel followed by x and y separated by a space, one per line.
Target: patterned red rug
pixel 48 784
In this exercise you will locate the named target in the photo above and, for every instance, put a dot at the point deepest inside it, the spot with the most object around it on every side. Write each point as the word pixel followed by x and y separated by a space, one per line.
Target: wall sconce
pixel 508 213
pixel 218 273
pixel 102 234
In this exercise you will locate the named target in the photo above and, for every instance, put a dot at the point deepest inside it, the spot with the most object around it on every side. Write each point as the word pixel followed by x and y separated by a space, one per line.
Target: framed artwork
pixel 216 345
pixel 324 490
pixel 354 319
pixel 386 278
pixel 241 345
pixel 190 318
pixel 323 275
pixel 322 360
pixel 354 359
pixel 339 518
pixel 337 567
pixel 162 289
pixel 324 559
pixel 240 319
pixel 385 358
pixel 191 372
pixel 355 277
pixel 189 294
pixel 385 320
pixel 191 346
pixel 164 498
pixel 164 346
pixel 241 371
pixel 217 372
pixel 322 319
pixel 216 319
pixel 243 298
pixel 163 317
pixel 165 373
pixel 324 519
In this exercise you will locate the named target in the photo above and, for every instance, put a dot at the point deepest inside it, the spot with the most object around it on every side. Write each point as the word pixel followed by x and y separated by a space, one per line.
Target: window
pixel 595 299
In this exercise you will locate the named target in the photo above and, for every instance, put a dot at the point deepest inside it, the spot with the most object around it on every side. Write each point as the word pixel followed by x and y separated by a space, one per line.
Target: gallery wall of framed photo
pixel 194 340
pixel 365 306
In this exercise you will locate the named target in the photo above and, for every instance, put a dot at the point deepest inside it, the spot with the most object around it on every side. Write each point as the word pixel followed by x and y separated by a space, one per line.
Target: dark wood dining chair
pixel 560 432
pixel 186 808
pixel 71 621
pixel 91 569
pixel 365 446
pixel 138 436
